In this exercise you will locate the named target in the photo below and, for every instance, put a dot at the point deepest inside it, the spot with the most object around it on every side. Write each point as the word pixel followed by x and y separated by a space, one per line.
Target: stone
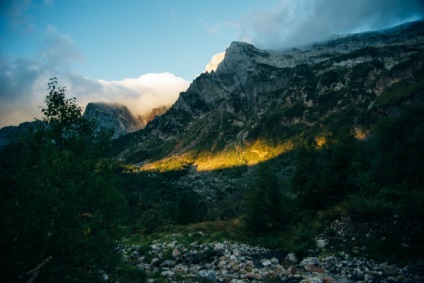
pixel 235 267
pixel 242 271
pixel 248 268
pixel 329 279
pixel 266 262
pixel 180 268
pixel 291 257
pixel 274 260
pixel 310 261
pixel 155 262
pixel 313 268
pixel 222 263
pixel 135 255
pixel 320 243
pixel 168 273
pixel 254 276
pixel 219 247
pixel 389 269
pixel 176 253
pixel 291 271
pixel 311 280
pixel 208 276
pixel 168 263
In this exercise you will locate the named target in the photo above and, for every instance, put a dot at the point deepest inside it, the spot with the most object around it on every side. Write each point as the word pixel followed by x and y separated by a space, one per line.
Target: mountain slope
pixel 258 103
pixel 118 117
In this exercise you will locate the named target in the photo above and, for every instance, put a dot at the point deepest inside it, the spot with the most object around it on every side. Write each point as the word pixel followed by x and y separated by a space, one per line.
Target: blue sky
pixel 114 40
pixel 143 53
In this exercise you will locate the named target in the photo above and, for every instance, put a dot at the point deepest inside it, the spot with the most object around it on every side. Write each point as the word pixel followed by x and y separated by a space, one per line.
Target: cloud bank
pixel 301 22
pixel 23 82
pixel 24 88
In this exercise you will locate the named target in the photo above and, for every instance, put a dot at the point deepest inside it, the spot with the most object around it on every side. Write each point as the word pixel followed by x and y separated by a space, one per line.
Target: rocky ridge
pixel 113 116
pixel 251 107
pixel 224 261
pixel 119 118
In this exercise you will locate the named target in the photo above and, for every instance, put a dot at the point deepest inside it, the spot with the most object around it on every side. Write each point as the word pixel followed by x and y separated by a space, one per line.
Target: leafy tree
pixel 325 175
pixel 59 209
pixel 191 208
pixel 265 204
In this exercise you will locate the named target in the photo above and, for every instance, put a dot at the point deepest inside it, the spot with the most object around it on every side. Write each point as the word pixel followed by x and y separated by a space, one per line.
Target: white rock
pixel 168 273
pixel 291 257
pixel 213 64
pixel 320 243
pixel 274 260
pixel 266 262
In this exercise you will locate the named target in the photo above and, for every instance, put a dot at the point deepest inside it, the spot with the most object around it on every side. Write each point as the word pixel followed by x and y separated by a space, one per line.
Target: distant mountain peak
pixel 215 61
pixel 113 116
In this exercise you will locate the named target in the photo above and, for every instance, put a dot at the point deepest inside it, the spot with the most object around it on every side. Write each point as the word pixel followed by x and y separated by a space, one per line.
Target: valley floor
pixel 182 254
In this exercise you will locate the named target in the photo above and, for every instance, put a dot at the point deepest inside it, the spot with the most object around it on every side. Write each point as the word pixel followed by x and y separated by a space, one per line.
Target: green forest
pixel 66 205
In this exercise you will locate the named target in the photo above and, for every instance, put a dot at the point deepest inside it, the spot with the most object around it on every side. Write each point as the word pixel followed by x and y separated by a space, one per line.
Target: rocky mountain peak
pixel 215 61
pixel 254 95
pixel 113 116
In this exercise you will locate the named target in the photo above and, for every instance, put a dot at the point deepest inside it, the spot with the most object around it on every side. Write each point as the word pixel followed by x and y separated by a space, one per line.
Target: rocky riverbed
pixel 175 260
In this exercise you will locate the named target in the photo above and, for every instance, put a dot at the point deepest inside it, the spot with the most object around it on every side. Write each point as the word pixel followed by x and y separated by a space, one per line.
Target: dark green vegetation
pixel 59 209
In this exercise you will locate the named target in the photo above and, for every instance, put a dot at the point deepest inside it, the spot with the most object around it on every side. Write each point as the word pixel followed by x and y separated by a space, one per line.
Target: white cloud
pixel 24 83
pixel 24 88
pixel 142 94
pixel 58 49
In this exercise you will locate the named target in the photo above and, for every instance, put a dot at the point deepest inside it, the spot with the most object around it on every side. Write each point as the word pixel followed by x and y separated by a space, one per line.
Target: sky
pixel 143 53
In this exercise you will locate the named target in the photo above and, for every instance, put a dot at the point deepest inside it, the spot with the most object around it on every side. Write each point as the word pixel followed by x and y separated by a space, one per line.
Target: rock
pixel 155 262
pixel 222 263
pixel 329 279
pixel 242 271
pixel 113 116
pixel 176 253
pixel 168 273
pixel 180 268
pixel 266 262
pixel 135 255
pixel 310 261
pixel 291 257
pixel 389 269
pixel 320 243
pixel 208 276
pixel 219 247
pixel 291 271
pixel 253 276
pixel 313 268
pixel 274 260
pixel 311 280
pixel 168 263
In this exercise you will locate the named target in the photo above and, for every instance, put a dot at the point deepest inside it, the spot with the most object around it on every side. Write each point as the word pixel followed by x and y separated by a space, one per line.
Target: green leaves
pixel 61 201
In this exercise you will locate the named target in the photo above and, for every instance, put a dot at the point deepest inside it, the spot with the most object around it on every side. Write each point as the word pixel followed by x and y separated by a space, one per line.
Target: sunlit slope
pixel 259 104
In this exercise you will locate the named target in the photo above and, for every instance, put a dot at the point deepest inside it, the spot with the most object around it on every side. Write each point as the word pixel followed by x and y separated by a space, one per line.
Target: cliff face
pixel 255 103
pixel 113 116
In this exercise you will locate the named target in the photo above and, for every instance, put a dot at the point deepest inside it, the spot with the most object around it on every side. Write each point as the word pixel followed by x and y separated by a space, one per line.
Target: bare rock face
pixel 213 64
pixel 113 116
pixel 251 101
pixel 158 111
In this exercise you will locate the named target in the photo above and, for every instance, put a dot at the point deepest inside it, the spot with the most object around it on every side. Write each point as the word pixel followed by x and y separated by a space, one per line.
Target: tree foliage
pixel 265 209
pixel 59 209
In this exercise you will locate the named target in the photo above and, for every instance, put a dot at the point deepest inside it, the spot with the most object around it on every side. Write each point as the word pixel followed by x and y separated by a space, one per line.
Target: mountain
pixel 118 117
pixel 12 133
pixel 113 116
pixel 106 115
pixel 256 104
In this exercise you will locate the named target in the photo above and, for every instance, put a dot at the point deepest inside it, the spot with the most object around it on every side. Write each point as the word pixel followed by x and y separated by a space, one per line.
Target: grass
pixel 400 91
